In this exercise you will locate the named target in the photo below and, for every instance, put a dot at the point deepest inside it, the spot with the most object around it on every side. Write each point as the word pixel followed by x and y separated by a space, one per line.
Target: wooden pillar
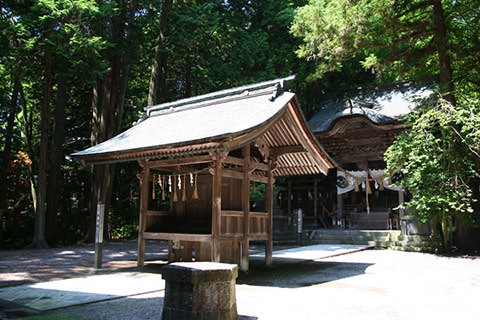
pixel 339 207
pixel 401 211
pixel 216 207
pixel 144 196
pixel 401 200
pixel 269 207
pixel 315 199
pixel 245 208
pixel 290 192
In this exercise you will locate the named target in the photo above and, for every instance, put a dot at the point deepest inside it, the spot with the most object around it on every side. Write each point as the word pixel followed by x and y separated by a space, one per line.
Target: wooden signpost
pixel 99 236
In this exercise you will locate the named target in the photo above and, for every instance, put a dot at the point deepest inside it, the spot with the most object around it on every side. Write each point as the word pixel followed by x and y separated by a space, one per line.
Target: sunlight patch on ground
pixel 311 252
pixel 17 276
pixel 63 293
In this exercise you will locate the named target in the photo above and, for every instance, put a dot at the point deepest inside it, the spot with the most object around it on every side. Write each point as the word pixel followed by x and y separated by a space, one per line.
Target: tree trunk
pixel 94 136
pixel 7 151
pixel 157 87
pixel 441 40
pixel 57 156
pixel 107 113
pixel 39 230
pixel 27 136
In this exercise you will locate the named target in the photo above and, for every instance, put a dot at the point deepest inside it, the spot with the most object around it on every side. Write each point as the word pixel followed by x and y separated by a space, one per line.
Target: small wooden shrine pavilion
pixel 200 156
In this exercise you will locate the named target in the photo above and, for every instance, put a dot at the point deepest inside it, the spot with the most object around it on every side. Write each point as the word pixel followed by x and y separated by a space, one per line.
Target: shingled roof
pixel 381 105
pixel 221 121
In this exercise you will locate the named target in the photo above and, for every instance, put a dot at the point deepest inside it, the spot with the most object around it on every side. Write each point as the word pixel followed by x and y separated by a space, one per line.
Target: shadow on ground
pixel 297 275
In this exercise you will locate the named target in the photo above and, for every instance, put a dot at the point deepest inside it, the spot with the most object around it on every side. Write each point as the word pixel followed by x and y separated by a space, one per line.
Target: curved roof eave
pixel 371 115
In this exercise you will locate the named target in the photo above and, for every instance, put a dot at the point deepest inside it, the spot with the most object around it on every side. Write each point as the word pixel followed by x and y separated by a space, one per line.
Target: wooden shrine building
pixel 200 156
pixel 355 131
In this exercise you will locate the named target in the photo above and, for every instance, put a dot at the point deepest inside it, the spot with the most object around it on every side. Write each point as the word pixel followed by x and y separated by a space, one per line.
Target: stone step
pixel 370 226
pixel 364 237
pixel 378 238
pixel 414 238
pixel 375 222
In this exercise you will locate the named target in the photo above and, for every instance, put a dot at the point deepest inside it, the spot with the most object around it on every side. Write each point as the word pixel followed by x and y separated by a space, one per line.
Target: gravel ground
pixel 371 284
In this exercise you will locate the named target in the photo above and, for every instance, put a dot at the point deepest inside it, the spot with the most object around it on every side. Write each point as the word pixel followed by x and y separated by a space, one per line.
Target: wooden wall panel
pixel 230 252
pixel 258 223
pixel 231 194
pixel 232 225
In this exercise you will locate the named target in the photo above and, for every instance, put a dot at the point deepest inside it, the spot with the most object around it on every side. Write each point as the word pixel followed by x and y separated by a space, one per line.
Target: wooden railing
pixel 232 224
pixel 258 225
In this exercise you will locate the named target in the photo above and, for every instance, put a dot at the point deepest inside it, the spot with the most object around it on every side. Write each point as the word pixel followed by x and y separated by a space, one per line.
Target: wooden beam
pixel 228 237
pixel 177 236
pixel 232 213
pixel 259 166
pixel 234 160
pixel 229 173
pixel 240 162
pixel 157 213
pixel 258 214
pixel 218 155
pixel 179 161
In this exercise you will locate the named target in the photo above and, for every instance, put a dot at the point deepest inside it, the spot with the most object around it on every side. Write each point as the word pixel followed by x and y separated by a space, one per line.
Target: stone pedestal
pixel 200 290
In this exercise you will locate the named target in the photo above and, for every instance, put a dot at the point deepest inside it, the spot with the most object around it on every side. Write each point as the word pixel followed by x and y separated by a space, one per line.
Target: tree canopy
pixel 394 38
pixel 422 39
pixel 75 73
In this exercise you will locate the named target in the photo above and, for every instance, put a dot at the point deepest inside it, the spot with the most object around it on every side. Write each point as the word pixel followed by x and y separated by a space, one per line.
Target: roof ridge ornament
pixel 278 91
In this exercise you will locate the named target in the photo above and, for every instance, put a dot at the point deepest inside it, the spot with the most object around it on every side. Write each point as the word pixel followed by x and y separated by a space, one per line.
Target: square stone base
pixel 200 290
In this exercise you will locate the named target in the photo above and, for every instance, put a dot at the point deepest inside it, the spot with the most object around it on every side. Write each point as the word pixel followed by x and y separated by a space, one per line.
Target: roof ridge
pixel 208 102
pixel 216 95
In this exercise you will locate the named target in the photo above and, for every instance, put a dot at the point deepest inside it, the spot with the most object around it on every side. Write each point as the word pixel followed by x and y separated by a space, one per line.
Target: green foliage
pixel 216 44
pixel 439 155
pixel 396 39
pixel 211 45
pixel 422 39
pixel 334 31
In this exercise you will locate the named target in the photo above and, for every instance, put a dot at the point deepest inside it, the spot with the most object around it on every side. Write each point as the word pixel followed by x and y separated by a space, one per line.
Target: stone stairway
pixel 375 220
pixel 375 238
pixel 414 243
